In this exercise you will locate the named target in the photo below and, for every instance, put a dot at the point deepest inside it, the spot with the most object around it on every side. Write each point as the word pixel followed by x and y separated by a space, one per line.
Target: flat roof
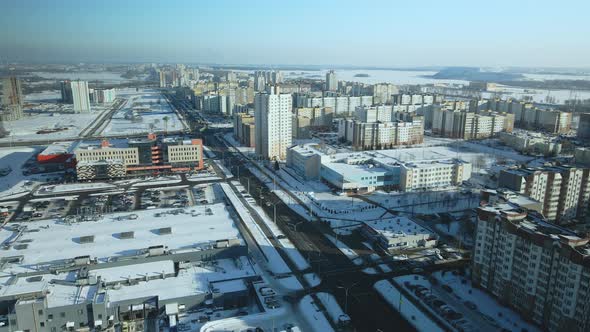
pixel 397 227
pixel 52 241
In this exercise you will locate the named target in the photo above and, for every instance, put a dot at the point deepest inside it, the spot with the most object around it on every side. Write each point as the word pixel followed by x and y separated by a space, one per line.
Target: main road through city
pixel 366 308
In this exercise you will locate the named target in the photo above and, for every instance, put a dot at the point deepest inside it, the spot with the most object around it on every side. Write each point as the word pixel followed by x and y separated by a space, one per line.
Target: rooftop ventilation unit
pixel 126 235
pixel 86 239
pixel 164 231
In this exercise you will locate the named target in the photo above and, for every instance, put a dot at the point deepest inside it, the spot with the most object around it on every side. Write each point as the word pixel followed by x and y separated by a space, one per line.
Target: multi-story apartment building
pixel 138 156
pixel 584 126
pixel 244 129
pixel 12 99
pixel 306 119
pixel 103 96
pixel 345 105
pixel 331 81
pixel 66 92
pixel 382 135
pixel 81 96
pixel 469 125
pixel 272 113
pixel 531 142
pixel 383 92
pixel 538 268
pixel 564 191
pixel 552 121
pixel 422 175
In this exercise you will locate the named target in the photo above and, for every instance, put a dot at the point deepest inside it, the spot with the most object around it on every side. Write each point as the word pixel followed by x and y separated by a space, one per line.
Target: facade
pixel 398 234
pixel 331 81
pixel 306 119
pixel 12 99
pixel 244 129
pixel 66 92
pixel 551 121
pixel 564 191
pixel 582 156
pixel 538 268
pixel 469 125
pixel 584 126
pixel 382 135
pixel 344 105
pixel 273 123
pixel 531 142
pixel 81 96
pixel 103 96
pixel 383 92
pixel 304 160
pixel 366 172
pixel 138 156
pixel 424 175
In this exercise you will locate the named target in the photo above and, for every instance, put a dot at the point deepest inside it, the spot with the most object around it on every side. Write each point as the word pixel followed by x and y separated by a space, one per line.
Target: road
pixel 366 308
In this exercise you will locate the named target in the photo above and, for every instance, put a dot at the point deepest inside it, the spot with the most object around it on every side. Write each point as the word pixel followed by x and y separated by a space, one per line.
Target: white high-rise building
pixel 331 81
pixel 81 96
pixel 273 123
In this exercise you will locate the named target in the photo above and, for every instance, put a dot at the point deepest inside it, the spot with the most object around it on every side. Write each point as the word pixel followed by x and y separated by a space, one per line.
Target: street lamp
pixel 346 289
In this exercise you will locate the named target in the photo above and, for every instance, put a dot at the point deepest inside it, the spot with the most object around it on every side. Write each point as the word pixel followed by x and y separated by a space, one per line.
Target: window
pixel 50 316
pixel 40 312
pixel 42 324
pixel 62 314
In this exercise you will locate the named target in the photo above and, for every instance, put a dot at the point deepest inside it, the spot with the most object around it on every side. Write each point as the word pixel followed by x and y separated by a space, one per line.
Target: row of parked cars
pixel 441 307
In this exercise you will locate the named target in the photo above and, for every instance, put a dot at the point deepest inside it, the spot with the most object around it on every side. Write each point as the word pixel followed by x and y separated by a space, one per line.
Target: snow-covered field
pixel 106 77
pixel 68 125
pixel 145 111
pixel 14 182
pixel 50 96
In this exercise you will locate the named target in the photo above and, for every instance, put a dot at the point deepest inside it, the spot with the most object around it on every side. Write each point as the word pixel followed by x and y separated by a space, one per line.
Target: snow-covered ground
pixel 289 248
pixel 15 184
pixel 486 304
pixel 66 125
pixel 52 96
pixel 145 111
pixel 346 250
pixel 426 202
pixel 314 315
pixel 274 261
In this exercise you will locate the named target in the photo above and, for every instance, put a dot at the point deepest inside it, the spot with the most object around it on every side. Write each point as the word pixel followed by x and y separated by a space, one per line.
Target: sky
pixel 391 33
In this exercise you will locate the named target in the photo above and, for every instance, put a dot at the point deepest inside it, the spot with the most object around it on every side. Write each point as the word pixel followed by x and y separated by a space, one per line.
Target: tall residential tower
pixel 81 96
pixel 272 112
pixel 12 99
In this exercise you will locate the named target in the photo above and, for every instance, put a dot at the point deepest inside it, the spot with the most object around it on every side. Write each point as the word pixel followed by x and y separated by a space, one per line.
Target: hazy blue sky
pixel 337 32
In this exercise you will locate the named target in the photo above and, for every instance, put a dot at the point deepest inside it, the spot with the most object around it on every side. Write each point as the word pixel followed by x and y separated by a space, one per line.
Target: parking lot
pixel 166 197
pixel 7 210
pixel 38 209
pixel 203 194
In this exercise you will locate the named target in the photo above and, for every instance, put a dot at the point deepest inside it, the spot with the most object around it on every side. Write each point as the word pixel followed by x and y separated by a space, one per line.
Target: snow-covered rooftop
pixel 51 241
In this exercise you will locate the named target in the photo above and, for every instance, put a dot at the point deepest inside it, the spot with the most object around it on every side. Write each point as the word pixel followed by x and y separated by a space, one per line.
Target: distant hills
pixel 475 74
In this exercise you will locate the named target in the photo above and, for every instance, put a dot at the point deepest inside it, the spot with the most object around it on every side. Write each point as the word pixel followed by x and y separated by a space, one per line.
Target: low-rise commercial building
pixel 366 172
pixel 398 234
pixel 123 275
pixel 137 156
pixel 538 268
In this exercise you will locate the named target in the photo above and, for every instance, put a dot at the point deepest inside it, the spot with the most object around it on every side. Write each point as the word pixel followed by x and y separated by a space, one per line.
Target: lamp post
pixel 346 289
